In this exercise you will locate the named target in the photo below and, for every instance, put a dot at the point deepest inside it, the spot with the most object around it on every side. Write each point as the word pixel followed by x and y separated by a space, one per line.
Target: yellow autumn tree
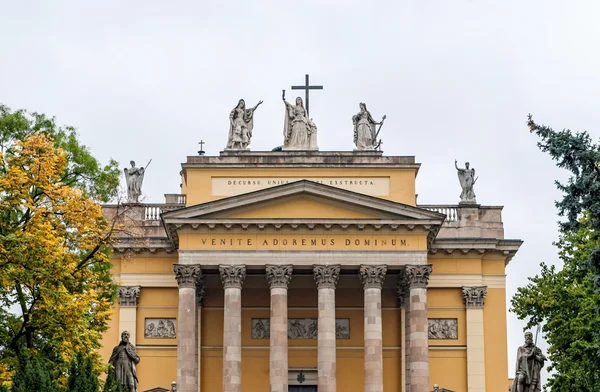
pixel 55 286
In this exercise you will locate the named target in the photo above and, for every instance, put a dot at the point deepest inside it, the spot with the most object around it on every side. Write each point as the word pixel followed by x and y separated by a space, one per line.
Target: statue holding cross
pixel 299 131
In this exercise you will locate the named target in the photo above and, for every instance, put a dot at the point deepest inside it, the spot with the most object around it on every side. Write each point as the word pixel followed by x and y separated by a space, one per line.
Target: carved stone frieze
pixel 128 295
pixel 187 275
pixel 442 328
pixel 279 275
pixel 232 276
pixel 160 328
pixel 474 296
pixel 372 276
pixel 326 276
pixel 418 275
pixel 299 328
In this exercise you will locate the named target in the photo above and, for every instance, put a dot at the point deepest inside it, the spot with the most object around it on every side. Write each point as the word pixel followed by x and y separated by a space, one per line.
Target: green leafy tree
pixel 567 301
pixel 111 385
pixel 33 375
pixel 54 244
pixel 83 377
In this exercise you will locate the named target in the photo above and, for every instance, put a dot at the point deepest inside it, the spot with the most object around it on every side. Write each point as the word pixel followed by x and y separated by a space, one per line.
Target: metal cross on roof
pixel 201 143
pixel 307 87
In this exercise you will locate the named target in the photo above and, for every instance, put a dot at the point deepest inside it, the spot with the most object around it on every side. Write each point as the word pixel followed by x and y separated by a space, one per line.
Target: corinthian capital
pixel 187 275
pixel 326 276
pixel 372 276
pixel 417 275
pixel 474 296
pixel 128 295
pixel 279 275
pixel 232 276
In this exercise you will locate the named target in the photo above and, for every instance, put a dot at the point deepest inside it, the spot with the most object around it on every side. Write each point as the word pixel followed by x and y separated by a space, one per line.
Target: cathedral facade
pixel 311 271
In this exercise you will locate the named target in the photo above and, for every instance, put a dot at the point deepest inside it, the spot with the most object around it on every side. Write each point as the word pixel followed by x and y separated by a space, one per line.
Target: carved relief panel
pixel 299 328
pixel 443 328
pixel 160 328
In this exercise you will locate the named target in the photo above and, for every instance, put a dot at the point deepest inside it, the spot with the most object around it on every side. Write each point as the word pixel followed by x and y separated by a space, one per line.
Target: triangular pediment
pixel 302 200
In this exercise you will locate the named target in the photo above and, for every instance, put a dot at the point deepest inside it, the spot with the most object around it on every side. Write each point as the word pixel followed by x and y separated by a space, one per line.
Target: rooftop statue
pixel 134 176
pixel 467 179
pixel 300 132
pixel 241 122
pixel 365 133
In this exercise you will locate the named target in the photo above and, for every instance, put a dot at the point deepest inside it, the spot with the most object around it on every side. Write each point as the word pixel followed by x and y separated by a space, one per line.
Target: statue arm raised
pixel 257 105
pixel 456 164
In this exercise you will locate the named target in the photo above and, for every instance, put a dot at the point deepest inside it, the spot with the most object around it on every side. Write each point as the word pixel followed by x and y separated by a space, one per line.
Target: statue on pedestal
pixel 530 361
pixel 124 359
pixel 300 133
pixel 241 122
pixel 365 134
pixel 134 176
pixel 467 179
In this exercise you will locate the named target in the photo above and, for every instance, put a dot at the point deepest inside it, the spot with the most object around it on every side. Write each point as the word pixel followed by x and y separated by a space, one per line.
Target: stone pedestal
pixel 187 346
pixel 326 277
pixel 372 278
pixel 279 277
pixel 418 347
pixel 232 277
pixel 474 299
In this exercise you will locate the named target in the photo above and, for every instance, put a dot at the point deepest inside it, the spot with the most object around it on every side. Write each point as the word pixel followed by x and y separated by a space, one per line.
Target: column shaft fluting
pixel 372 278
pixel 326 277
pixel 232 277
pixel 187 349
pixel 278 277
pixel 418 355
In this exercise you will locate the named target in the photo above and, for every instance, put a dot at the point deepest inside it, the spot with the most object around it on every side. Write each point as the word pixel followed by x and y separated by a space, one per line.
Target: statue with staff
pixel 134 176
pixel 365 132
pixel 530 361
pixel 467 179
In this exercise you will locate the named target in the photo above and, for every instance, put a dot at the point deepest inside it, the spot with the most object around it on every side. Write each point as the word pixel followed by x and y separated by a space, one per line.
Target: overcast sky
pixel 149 79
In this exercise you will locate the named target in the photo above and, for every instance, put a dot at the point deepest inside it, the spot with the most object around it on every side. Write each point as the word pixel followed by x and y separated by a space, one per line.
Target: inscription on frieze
pixel 160 328
pixel 443 328
pixel 299 328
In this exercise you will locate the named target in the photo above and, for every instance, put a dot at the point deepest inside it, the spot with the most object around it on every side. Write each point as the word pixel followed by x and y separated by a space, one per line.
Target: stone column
pixel 372 277
pixel 232 277
pixel 279 277
pixel 474 300
pixel 418 355
pixel 326 277
pixel 128 300
pixel 200 302
pixel 187 348
pixel 403 293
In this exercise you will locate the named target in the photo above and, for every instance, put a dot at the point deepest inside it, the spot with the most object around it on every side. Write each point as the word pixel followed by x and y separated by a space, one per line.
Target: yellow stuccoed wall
pixel 447 357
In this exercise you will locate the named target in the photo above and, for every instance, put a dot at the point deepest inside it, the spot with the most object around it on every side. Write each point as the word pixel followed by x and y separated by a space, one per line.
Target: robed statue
pixel 241 122
pixel 530 361
pixel 467 179
pixel 299 132
pixel 134 176
pixel 124 359
pixel 365 133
